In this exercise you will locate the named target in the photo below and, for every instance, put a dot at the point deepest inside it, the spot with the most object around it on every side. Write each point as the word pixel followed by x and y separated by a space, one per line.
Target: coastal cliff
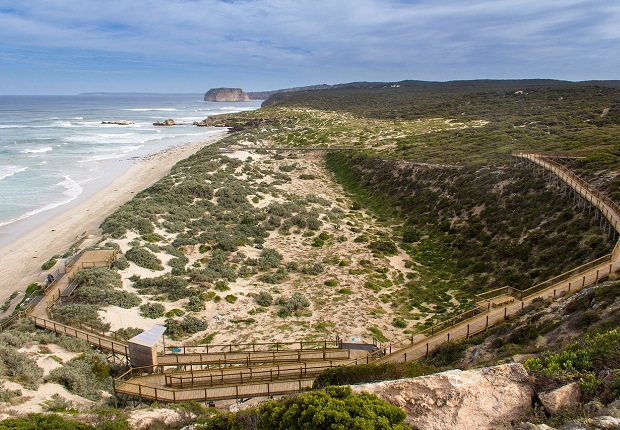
pixel 226 95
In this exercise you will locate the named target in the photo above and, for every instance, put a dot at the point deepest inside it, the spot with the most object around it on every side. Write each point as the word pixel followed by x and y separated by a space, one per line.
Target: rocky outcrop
pixel 165 123
pixel 490 397
pixel 120 122
pixel 565 397
pixel 226 95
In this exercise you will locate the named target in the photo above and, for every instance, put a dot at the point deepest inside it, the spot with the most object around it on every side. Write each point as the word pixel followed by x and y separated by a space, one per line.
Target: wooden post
pixel 467 336
pixel 505 312
pixel 427 348
pixel 584 282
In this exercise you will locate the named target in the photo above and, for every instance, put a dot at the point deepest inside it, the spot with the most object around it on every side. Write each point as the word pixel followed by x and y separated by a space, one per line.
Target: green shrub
pixel 331 283
pixel 264 299
pixel 98 277
pixel 276 277
pixel 7 302
pixel 43 422
pixel 86 375
pixel 120 263
pixel 195 304
pixel 411 235
pixel 144 258
pixel 152 310
pixel 49 263
pixel 581 361
pixel 175 313
pixel 192 324
pixel 296 304
pixel 331 408
pixel 174 287
pixel 378 334
pixel 19 366
pixel 269 259
pixel 97 286
pixel 399 322
pixel 359 374
pixel 80 313
pixel 230 298
pixel 128 332
pixel 6 395
pixel 386 247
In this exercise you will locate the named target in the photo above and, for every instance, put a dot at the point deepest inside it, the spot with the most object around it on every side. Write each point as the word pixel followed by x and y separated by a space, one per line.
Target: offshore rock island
pixel 226 95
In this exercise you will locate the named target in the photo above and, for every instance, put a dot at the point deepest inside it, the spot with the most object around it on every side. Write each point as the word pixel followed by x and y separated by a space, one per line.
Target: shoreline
pixel 22 257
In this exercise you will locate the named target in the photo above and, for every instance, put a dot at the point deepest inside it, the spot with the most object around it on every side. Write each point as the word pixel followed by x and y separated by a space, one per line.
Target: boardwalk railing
pixel 579 185
pixel 208 394
pixel 264 346
pixel 223 376
pixel 255 357
pixel 99 341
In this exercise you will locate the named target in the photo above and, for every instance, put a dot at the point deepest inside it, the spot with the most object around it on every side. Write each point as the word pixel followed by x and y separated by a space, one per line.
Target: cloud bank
pixel 187 45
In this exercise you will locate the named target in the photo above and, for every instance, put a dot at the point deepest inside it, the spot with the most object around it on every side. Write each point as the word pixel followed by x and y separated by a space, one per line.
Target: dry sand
pixel 22 259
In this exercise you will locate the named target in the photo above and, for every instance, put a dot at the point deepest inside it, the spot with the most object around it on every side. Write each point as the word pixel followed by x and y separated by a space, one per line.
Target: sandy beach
pixel 22 258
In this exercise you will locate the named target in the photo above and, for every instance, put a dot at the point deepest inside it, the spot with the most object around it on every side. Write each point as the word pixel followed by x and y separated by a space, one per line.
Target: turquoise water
pixel 53 147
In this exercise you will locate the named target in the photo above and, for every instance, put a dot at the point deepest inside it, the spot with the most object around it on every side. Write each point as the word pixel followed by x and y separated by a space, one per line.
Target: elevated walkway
pixel 214 373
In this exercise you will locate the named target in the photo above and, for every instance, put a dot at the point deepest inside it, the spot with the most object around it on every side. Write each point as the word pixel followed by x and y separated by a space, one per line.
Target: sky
pixel 189 46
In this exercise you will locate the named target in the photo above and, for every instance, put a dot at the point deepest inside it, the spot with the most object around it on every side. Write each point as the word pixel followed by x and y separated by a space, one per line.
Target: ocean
pixel 53 148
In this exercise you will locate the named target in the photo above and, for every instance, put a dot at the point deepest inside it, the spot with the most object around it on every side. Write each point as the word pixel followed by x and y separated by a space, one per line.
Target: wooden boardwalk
pixel 219 375
pixel 499 304
pixel 89 258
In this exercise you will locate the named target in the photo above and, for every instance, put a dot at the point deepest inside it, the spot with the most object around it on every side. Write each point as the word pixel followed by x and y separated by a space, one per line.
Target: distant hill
pixel 412 99
pixel 264 95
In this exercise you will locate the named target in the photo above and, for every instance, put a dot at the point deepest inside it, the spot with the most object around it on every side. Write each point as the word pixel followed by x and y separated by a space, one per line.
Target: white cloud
pixel 329 40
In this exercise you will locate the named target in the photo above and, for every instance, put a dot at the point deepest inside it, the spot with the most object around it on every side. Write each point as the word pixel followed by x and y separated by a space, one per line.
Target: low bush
pixel 152 310
pixel 128 332
pixel 264 299
pixel 43 422
pixel 144 258
pixel 385 247
pixel 86 375
pixel 177 329
pixel 269 259
pixel 19 366
pixel 295 305
pixel 332 407
pixel 49 263
pixel 7 394
pixel 120 263
pixel 80 313
pixel 195 304
pixel 7 302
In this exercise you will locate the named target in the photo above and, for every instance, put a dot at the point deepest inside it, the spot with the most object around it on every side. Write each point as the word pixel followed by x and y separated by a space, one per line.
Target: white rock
pixel 491 397
pixel 562 398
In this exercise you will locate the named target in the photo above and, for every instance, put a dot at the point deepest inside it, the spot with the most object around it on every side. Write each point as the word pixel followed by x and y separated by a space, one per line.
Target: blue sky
pixel 72 46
